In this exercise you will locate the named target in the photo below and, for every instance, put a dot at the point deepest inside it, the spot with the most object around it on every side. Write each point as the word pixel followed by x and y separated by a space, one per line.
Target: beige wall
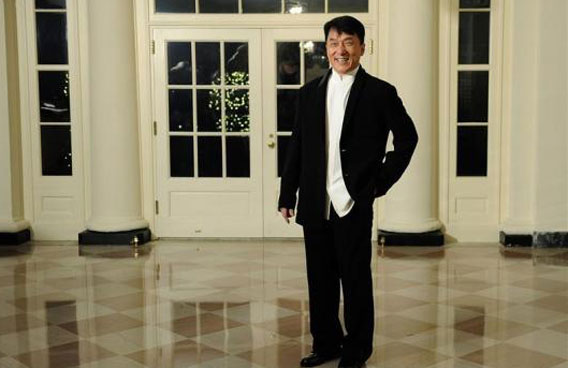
pixel 14 107
pixel 538 189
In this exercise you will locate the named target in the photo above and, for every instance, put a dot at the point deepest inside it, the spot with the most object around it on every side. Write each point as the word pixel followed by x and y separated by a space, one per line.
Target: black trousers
pixel 338 253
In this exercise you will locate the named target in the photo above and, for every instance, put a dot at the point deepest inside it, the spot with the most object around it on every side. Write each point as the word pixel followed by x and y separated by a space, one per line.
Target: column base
pixel 417 239
pixel 515 240
pixel 553 239
pixel 15 238
pixel 539 239
pixel 89 237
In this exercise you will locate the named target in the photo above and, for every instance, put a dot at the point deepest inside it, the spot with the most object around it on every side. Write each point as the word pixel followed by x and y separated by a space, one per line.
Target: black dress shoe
pixel 314 359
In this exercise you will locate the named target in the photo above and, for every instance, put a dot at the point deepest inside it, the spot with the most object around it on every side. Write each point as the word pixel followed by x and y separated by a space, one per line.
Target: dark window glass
pixel 209 157
pixel 341 6
pixel 305 6
pixel 237 117
pixel 50 4
pixel 180 105
pixel 56 151
pixel 236 63
pixel 286 101
pixel 181 156
pixel 54 96
pixel 474 38
pixel 218 6
pixel 179 63
pixel 208 62
pixel 51 38
pixel 262 6
pixel 175 6
pixel 288 62
pixel 209 110
pixel 315 60
pixel 472 151
pixel 475 4
pixel 238 157
pixel 282 148
pixel 473 89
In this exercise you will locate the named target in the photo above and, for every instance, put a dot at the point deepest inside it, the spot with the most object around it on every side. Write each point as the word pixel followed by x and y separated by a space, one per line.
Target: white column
pixel 9 221
pixel 412 67
pixel 115 167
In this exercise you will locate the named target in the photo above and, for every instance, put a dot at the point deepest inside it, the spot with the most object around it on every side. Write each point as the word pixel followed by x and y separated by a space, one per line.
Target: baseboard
pixel 515 240
pixel 89 237
pixel 430 238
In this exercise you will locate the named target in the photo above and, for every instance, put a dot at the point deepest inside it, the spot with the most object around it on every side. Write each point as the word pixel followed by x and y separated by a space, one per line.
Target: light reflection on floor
pixel 244 304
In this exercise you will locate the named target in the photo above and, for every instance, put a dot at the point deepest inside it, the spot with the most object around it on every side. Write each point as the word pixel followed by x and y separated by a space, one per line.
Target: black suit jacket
pixel 373 109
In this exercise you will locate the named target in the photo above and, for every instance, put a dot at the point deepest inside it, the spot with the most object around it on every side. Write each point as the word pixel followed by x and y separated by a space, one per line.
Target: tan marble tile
pixel 505 355
pixel 494 328
pixel 101 325
pixel 398 327
pixel 64 356
pixel 558 303
pixel 285 354
pixel 180 354
pixel 545 341
pixel 398 354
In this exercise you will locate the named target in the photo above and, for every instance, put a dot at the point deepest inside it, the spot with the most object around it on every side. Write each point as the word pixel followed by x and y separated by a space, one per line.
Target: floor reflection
pixel 244 304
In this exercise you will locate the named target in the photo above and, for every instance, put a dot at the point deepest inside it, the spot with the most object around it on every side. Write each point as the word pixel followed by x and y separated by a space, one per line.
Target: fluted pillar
pixel 115 167
pixel 410 212
pixel 13 228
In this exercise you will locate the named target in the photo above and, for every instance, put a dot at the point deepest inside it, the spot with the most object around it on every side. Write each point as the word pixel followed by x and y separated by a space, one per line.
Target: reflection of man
pixel 336 158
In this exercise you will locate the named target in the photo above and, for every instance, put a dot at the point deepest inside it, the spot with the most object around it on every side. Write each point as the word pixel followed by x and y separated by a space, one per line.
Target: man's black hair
pixel 346 24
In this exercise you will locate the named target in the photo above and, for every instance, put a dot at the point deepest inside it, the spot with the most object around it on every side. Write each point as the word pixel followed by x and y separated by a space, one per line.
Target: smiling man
pixel 336 158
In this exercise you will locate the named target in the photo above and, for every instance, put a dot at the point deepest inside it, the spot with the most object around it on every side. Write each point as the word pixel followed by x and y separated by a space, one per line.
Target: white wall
pixel 538 165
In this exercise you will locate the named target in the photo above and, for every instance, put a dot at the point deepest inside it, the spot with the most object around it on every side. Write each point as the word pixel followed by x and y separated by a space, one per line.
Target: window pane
pixel 209 157
pixel 175 6
pixel 238 157
pixel 54 96
pixel 208 66
pixel 51 38
pixel 181 156
pixel 475 4
pixel 472 151
pixel 236 63
pixel 50 4
pixel 262 6
pixel 305 6
pixel 209 110
pixel 286 109
pixel 474 38
pixel 340 6
pixel 282 147
pixel 218 6
pixel 237 110
pixel 315 60
pixel 179 63
pixel 288 62
pixel 473 89
pixel 180 107
pixel 56 151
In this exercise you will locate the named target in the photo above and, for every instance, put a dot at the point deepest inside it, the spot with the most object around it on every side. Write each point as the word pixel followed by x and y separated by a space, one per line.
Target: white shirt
pixel 338 89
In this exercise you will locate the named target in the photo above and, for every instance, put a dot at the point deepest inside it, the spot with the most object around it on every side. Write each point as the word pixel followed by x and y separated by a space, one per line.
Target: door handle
pixel 271 144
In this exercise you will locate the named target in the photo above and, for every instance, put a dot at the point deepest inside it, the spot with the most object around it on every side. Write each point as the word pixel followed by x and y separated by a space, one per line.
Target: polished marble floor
pixel 240 304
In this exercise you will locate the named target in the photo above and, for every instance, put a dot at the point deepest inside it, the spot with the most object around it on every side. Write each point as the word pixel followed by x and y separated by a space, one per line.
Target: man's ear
pixel 363 49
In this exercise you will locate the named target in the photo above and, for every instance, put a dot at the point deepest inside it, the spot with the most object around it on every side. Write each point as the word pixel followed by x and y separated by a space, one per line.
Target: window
pixel 261 6
pixel 473 88
pixel 53 84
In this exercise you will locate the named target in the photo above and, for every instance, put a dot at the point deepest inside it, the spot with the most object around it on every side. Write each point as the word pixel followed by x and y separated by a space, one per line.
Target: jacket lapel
pixel 356 89
pixel 321 94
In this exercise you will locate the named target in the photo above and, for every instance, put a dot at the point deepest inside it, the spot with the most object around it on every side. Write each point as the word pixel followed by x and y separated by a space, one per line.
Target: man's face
pixel 343 51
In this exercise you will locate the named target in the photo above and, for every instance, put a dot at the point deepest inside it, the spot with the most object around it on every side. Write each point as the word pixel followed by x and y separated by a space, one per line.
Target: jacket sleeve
pixel 293 165
pixel 405 140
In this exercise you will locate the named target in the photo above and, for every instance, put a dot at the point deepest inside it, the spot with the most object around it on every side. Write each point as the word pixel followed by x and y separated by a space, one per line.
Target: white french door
pixel 208 133
pixel 225 105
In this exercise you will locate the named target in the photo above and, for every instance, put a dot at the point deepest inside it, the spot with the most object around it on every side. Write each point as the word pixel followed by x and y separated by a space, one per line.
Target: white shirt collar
pixel 347 77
